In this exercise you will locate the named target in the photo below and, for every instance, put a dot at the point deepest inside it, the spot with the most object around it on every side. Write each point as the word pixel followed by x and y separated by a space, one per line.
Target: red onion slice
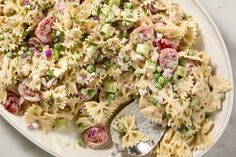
pixel 26 2
pixel 48 53
pixel 95 136
pixel 28 94
pixel 13 103
pixel 144 31
pixel 165 43
pixel 151 7
pixel 44 29
pixel 168 58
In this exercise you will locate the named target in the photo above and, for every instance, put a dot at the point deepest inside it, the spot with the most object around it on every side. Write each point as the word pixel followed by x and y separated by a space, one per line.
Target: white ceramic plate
pixel 64 144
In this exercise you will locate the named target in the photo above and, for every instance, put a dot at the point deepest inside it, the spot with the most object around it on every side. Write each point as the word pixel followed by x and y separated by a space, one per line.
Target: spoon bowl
pixel 150 129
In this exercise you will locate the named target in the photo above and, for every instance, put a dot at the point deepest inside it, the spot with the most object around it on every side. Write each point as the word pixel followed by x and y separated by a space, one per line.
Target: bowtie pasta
pixel 80 61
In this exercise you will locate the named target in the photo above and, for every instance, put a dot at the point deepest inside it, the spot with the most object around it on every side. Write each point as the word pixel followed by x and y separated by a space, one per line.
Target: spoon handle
pixel 116 151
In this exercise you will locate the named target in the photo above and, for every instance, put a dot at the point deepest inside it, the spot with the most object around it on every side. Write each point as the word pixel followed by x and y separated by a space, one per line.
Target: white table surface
pixel 13 144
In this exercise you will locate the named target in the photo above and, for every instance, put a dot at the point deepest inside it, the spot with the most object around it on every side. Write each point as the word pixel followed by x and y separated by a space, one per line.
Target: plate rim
pixel 231 95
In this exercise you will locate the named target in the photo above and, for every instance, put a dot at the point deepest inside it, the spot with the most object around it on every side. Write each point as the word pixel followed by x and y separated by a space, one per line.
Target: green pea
pixel 153 99
pixel 158 85
pixel 156 75
pixel 81 127
pixel 25 49
pixel 161 80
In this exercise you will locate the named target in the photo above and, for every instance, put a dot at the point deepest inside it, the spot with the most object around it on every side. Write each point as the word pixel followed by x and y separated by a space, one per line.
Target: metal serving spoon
pixel 152 130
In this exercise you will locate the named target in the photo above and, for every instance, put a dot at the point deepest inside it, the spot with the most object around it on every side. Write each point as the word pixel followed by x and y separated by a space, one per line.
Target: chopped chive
pixel 169 115
pixel 111 96
pixel 90 68
pixel 208 116
pixel 49 75
pixel 81 127
pixel 183 129
pixel 82 143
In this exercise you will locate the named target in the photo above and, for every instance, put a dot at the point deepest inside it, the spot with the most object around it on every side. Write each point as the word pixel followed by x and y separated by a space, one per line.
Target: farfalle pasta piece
pixel 35 114
pixel 153 113
pixel 215 102
pixel 70 37
pixel 85 9
pixel 171 30
pixel 201 72
pixel 6 74
pixel 3 93
pixel 219 84
pixel 173 144
pixel 47 122
pixel 161 4
pixel 192 55
pixel 202 90
pixel 132 138
pixel 175 13
pixel 126 125
pixel 57 97
pixel 190 36
pixel 184 86
pixel 92 42
pixel 97 110
pixel 202 139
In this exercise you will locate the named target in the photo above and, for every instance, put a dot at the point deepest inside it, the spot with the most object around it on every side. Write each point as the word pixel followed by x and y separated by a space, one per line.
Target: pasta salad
pixel 80 61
